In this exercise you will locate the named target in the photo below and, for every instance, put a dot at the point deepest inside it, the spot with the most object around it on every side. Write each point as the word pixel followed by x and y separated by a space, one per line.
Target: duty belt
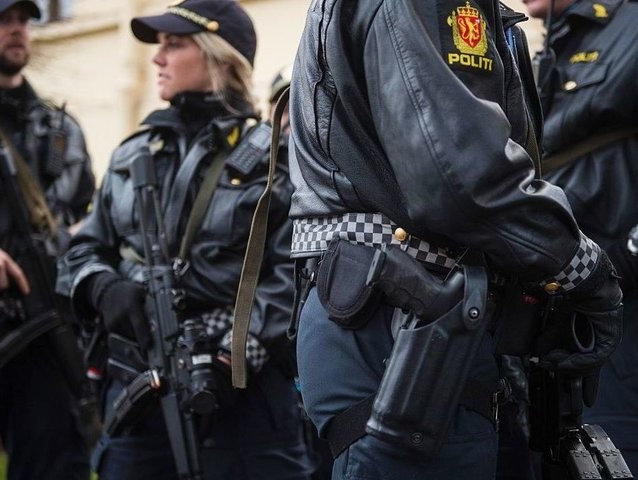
pixel 312 235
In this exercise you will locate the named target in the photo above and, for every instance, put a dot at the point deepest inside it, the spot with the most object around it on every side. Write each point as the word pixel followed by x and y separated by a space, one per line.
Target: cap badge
pixel 200 20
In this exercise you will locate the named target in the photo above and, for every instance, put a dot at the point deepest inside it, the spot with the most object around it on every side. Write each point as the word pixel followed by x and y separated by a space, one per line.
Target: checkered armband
pixel 256 354
pixel 218 320
pixel 576 271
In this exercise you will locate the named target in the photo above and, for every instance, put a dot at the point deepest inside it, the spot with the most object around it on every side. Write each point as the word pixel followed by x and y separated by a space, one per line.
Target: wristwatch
pixel 632 241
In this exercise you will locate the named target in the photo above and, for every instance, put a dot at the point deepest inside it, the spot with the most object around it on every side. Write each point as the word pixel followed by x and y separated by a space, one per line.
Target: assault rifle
pixel 170 373
pixel 41 306
pixel 570 450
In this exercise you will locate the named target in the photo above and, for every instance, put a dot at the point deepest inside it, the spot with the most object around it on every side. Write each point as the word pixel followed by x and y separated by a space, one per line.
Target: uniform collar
pixel 511 17
pixel 16 102
pixel 194 115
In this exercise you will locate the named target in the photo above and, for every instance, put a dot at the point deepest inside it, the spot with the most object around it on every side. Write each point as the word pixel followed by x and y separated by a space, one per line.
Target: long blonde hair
pixel 239 78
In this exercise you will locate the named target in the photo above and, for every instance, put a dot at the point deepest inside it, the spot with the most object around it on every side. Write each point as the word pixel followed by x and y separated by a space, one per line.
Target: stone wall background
pixel 93 63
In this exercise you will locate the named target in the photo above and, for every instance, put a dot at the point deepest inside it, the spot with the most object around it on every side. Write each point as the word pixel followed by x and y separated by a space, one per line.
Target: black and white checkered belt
pixel 312 235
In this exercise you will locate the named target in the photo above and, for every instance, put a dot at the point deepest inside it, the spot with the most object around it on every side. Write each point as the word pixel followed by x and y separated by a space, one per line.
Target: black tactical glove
pixel 120 303
pixel 598 313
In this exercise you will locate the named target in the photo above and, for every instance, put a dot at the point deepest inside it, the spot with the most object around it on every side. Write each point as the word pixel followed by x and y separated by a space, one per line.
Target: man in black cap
pixel 39 423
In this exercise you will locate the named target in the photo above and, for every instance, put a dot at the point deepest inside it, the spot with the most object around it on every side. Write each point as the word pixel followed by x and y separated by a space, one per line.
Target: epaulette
pixel 251 150
pixel 125 151
pixel 142 129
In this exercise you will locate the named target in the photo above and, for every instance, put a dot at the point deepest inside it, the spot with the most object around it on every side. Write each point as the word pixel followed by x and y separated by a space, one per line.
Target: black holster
pixel 428 369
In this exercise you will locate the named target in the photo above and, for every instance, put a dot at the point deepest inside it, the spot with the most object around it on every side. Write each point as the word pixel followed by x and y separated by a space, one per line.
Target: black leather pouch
pixel 341 283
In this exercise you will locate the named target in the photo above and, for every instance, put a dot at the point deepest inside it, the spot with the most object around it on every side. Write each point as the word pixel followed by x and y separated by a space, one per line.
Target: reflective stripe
pixel 579 267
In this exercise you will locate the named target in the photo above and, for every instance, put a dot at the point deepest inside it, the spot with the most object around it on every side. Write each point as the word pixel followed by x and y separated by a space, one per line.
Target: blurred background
pixel 85 55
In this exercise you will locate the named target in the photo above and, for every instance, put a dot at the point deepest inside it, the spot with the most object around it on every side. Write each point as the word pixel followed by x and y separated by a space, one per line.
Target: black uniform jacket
pixel 217 250
pixel 414 109
pixel 594 91
pixel 69 184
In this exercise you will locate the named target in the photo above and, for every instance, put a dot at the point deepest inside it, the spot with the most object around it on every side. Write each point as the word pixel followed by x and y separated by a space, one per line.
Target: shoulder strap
pixel 243 158
pixel 349 425
pixel 202 201
pixel 41 217
pixel 253 258
pixel 553 162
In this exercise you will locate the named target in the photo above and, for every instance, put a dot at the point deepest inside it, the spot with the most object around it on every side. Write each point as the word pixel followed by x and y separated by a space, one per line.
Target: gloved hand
pixel 120 303
pixel 599 310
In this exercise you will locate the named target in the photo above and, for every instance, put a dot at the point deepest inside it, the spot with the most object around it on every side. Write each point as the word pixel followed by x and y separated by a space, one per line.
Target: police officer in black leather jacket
pixel 39 423
pixel 204 63
pixel 587 81
pixel 410 130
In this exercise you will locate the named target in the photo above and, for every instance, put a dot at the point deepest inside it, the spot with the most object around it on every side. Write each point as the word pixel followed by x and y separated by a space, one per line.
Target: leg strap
pixel 350 425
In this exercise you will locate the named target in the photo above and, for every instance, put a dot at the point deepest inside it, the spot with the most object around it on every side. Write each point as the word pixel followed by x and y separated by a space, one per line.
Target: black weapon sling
pixel 41 217
pixel 254 257
pixel 201 203
pixel 578 150
pixel 25 195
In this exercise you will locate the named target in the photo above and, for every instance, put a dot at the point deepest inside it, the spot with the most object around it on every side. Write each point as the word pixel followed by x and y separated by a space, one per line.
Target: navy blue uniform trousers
pixel 38 419
pixel 259 439
pixel 339 367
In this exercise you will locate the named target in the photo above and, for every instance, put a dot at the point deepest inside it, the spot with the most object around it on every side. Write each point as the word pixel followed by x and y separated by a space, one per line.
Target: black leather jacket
pixel 69 185
pixel 592 89
pixel 217 250
pixel 414 109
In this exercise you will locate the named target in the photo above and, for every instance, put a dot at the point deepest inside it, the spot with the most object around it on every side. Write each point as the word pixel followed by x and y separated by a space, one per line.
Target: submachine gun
pixel 570 449
pixel 41 306
pixel 178 362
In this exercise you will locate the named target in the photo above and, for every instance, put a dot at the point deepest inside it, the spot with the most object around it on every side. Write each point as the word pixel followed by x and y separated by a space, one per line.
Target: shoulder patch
pixel 468 29
pixel 251 150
